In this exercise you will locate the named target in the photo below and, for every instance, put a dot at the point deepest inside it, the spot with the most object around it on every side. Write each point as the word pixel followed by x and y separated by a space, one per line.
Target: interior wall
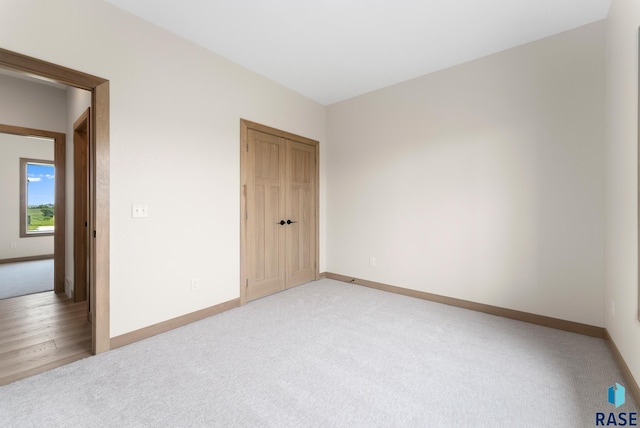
pixel 77 102
pixel 31 105
pixel 175 112
pixel 621 300
pixel 482 182
pixel 12 148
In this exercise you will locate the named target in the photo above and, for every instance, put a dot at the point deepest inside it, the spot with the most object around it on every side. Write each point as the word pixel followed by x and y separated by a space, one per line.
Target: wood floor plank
pixel 33 300
pixel 20 331
pixel 28 351
pixel 37 323
pixel 31 361
pixel 31 337
pixel 30 318
pixel 62 342
pixel 27 319
pixel 39 304
pixel 8 315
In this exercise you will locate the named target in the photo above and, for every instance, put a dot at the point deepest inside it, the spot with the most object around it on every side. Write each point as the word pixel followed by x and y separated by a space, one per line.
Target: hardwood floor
pixel 39 332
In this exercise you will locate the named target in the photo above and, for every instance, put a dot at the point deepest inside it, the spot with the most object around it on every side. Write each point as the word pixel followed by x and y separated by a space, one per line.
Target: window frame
pixel 24 232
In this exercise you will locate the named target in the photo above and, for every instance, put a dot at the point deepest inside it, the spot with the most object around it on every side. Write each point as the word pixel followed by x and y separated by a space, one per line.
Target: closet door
pixel 280 225
pixel 301 212
pixel 265 211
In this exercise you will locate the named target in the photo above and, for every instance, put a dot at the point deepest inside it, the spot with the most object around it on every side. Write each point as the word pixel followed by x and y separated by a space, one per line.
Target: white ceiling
pixel 331 50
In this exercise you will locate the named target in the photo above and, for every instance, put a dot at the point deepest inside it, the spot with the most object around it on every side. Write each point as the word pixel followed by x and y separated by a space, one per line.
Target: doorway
pixel 98 181
pixel 59 150
pixel 279 208
pixel 32 165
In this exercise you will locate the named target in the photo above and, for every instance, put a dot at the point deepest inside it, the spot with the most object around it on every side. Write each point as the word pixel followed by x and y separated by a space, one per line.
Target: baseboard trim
pixel 574 327
pixel 162 327
pixel 27 259
pixel 322 275
pixel 630 381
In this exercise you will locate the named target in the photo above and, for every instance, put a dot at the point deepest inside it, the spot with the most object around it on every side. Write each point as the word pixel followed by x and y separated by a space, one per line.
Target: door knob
pixel 289 221
pixel 281 223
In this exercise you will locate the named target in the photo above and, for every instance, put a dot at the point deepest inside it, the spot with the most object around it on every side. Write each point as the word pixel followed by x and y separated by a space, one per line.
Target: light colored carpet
pixel 330 354
pixel 19 279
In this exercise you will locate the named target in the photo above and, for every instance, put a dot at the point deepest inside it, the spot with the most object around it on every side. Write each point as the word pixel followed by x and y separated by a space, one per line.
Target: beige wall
pixel 175 130
pixel 31 105
pixel 621 181
pixel 482 182
pixel 12 148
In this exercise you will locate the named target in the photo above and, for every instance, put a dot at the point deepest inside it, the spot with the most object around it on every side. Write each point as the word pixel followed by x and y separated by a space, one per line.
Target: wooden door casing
pixel 98 177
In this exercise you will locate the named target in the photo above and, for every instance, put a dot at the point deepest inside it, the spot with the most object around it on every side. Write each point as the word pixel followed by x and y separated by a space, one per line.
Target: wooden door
pixel 265 213
pixel 81 207
pixel 300 209
pixel 279 231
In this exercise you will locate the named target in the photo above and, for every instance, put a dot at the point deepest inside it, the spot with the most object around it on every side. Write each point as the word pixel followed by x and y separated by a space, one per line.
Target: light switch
pixel 139 210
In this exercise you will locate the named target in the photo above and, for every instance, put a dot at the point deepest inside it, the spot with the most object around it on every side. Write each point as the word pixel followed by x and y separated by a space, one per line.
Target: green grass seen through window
pixel 41 215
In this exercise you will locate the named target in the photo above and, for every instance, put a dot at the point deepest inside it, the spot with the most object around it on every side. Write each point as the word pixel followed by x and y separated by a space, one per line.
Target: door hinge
pixel 247 146
pixel 247 283
pixel 94 233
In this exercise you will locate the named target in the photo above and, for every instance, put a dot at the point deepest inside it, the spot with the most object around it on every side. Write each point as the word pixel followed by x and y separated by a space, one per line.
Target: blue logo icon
pixel 616 395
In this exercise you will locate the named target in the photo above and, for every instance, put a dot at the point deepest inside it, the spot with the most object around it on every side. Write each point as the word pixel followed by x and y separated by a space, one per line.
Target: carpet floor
pixel 22 278
pixel 330 354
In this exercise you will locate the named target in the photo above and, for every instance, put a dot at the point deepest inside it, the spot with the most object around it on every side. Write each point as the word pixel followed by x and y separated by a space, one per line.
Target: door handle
pixel 289 221
pixel 281 223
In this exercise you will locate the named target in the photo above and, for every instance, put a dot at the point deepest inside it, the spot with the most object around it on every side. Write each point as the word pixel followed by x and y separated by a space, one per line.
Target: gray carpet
pixel 330 354
pixel 19 279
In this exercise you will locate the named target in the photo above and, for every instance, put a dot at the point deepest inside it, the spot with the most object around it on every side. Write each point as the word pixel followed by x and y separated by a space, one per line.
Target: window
pixel 37 197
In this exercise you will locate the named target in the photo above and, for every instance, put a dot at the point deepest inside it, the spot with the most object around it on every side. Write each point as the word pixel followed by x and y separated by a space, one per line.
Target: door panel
pixel 265 203
pixel 81 207
pixel 300 242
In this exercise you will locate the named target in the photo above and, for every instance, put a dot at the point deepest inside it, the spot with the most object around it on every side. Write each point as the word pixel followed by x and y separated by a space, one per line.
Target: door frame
pixel 98 180
pixel 245 126
pixel 59 159
pixel 81 132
